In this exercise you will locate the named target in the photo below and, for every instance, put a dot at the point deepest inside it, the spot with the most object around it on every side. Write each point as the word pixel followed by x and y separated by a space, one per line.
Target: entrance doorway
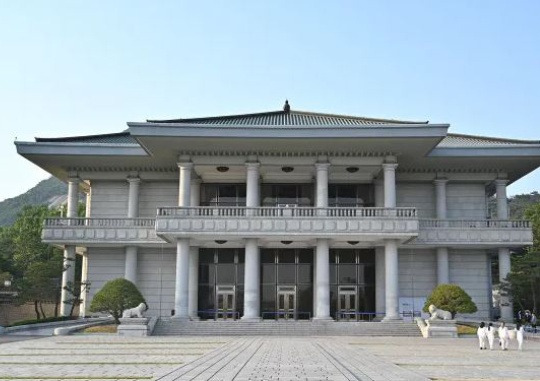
pixel 225 297
pixel 286 302
pixel 286 283
pixel 346 309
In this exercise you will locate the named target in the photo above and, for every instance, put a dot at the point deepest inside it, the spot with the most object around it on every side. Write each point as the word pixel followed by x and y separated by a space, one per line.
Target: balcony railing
pixel 475 232
pixel 351 223
pixel 474 224
pixel 237 211
pixel 87 231
pixel 102 222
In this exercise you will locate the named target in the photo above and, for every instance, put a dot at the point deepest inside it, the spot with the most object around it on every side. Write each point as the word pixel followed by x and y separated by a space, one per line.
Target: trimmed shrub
pixel 116 296
pixel 452 298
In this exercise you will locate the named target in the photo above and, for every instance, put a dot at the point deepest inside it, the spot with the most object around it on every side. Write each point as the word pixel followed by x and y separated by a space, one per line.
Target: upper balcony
pixel 470 233
pixel 346 224
pixel 100 231
pixel 367 225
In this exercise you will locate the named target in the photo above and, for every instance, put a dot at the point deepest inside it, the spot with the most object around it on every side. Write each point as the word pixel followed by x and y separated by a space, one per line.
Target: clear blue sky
pixel 87 67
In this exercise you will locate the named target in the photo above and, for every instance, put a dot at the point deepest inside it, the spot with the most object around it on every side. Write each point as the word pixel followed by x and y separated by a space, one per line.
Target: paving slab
pixel 241 358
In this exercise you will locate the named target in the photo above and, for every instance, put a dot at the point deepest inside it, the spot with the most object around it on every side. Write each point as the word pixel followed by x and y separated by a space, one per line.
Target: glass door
pixel 225 306
pixel 286 302
pixel 347 303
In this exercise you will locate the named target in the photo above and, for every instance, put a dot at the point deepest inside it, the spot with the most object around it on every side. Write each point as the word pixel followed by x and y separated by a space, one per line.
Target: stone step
pixel 171 327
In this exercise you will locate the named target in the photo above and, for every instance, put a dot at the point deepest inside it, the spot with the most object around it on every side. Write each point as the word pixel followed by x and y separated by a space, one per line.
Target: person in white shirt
pixel 503 336
pixel 490 332
pixel 519 335
pixel 482 335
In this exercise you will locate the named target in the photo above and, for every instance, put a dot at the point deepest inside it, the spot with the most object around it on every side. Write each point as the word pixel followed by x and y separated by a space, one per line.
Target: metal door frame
pixel 225 290
pixel 286 291
pixel 347 291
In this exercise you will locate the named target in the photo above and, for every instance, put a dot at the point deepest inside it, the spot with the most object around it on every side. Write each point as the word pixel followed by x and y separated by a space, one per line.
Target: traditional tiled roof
pixel 286 118
pixel 471 141
pixel 117 138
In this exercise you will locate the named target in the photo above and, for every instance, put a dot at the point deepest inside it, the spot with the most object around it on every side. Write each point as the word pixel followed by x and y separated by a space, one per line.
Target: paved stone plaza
pixel 103 357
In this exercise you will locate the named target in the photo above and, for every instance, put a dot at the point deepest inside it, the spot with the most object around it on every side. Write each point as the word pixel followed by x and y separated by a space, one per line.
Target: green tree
pixel 26 237
pixel 452 298
pixel 533 214
pixel 116 296
pixel 41 283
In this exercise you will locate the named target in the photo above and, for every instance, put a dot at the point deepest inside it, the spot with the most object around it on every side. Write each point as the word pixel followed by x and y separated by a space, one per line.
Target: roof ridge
pixel 231 116
pixel 72 138
pixel 493 138
pixel 281 112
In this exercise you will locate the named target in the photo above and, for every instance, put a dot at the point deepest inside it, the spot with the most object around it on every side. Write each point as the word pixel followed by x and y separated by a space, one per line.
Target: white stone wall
pixel 468 268
pixel 155 279
pixel 104 264
pixel 155 194
pixel 417 272
pixel 417 195
pixel 155 276
pixel 109 198
pixel 466 201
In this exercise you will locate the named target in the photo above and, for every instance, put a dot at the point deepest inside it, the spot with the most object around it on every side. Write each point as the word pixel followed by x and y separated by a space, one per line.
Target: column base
pixel 254 319
pixel 322 318
pixel 182 318
pixel 391 319
pixel 194 318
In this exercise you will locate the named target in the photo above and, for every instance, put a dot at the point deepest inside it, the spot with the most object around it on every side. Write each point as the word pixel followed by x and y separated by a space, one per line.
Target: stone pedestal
pixel 438 328
pixel 133 327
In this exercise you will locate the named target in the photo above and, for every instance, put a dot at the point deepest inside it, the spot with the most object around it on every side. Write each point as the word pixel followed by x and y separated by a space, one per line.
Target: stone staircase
pixel 173 327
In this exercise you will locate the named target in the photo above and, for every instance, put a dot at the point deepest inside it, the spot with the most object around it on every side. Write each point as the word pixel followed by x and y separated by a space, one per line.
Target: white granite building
pixel 288 214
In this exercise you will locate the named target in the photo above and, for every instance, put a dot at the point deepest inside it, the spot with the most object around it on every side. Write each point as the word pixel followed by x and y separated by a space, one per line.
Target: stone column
pixel 181 294
pixel 252 302
pixel 502 201
pixel 184 188
pixel 392 280
pixel 322 185
pixel 389 185
pixel 321 278
pixel 380 294
pixel 68 276
pixel 84 285
pixel 442 252
pixel 130 271
pixel 252 185
pixel 193 287
pixel 504 253
pixel 379 254
pixel 322 311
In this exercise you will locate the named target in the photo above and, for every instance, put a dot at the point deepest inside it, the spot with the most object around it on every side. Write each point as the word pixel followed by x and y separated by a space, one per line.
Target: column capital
pixel 322 166
pixel 133 180
pixel 389 166
pixel 500 182
pixel 252 165
pixel 185 164
pixel 440 181
pixel 74 179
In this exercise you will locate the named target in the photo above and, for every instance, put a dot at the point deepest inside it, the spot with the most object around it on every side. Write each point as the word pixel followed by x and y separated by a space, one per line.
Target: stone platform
pixel 109 357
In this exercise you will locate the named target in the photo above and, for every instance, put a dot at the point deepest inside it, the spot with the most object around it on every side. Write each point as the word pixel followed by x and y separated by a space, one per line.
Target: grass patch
pixel 106 328
pixel 466 330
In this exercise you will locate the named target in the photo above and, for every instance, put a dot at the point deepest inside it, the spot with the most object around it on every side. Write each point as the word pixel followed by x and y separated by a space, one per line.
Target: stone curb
pixel 64 331
pixel 30 327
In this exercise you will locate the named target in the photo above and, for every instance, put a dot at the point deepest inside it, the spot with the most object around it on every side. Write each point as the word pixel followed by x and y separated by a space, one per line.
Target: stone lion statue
pixel 136 312
pixel 437 314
